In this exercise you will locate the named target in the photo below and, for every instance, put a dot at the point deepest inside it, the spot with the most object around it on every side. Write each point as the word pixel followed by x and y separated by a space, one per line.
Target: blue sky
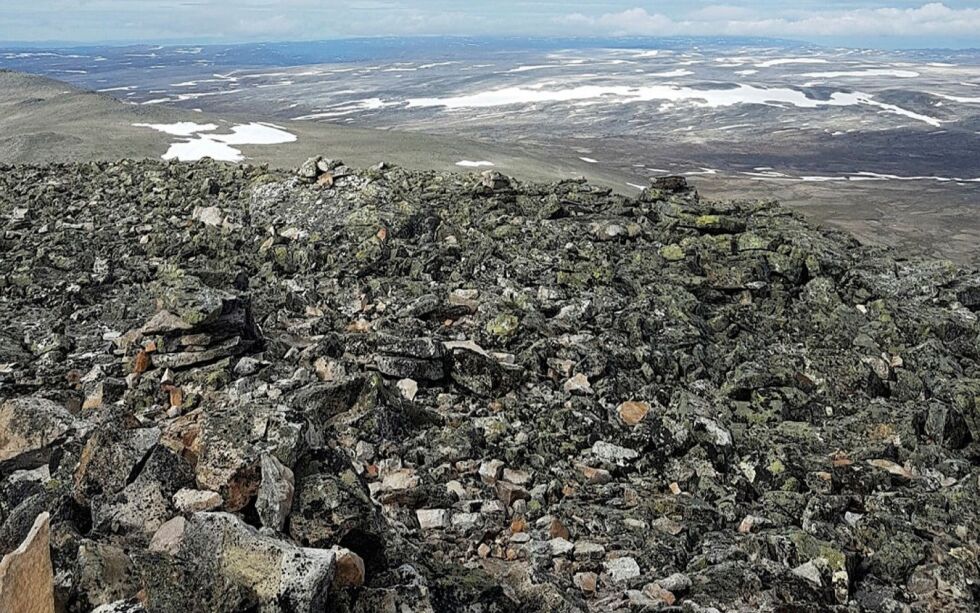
pixel 866 23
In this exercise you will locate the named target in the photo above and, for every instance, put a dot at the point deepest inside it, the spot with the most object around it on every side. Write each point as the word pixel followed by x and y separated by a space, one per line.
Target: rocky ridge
pixel 239 389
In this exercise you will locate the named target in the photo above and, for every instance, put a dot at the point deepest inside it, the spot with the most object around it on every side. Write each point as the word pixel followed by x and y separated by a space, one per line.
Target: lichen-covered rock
pixel 492 395
pixel 30 429
pixel 219 563
pixel 105 574
pixel 332 506
pixel 111 458
pixel 275 496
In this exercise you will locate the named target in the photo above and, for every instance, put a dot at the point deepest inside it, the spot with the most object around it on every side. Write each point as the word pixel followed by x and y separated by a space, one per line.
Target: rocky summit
pixel 228 388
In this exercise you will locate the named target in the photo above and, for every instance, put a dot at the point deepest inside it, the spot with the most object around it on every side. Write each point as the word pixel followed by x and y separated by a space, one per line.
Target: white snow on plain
pixel 346 108
pixel 869 72
pixel 199 142
pixel 709 98
pixel 874 176
pixel 963 99
pixel 471 164
pixel 703 171
pixel 791 60
pixel 535 67
pixel 670 73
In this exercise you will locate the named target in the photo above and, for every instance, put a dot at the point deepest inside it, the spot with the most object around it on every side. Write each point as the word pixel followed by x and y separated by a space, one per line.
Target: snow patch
pixel 870 72
pixel 199 142
pixel 790 60
pixel 708 98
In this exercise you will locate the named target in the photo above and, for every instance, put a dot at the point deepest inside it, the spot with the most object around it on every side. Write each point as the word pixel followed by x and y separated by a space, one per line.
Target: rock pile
pixel 237 389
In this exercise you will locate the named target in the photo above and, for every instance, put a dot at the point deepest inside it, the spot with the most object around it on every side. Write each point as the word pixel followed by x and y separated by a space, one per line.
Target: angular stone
pixel 718 224
pixel 146 502
pixel 223 565
pixel 104 573
pixel 349 572
pixel 491 471
pixel 193 501
pixel 332 506
pixel 465 521
pixel 228 448
pixel 26 575
pixel 30 428
pixel 400 480
pixel 432 519
pixel 560 546
pixel 589 551
pixel 632 412
pixel 578 384
pixel 409 389
pixel 410 368
pixel 275 497
pixel 508 493
pixel 587 582
pixel 678 583
pixel 475 370
pixel 208 215
pixel 169 536
pixel 621 570
pixel 614 454
pixel 109 457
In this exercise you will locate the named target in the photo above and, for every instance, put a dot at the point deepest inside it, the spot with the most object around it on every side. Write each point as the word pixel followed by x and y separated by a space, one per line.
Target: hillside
pixel 242 389
pixel 43 120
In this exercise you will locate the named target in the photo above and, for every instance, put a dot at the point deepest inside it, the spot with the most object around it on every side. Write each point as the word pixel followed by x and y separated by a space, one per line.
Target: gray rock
pixel 275 497
pixel 30 428
pixel 621 570
pixel 252 570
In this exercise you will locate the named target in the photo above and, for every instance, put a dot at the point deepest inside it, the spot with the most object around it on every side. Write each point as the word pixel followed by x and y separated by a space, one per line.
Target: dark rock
pixel 588 401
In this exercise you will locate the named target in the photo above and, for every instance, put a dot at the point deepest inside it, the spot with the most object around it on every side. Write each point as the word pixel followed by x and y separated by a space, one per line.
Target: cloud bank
pixel 849 22
pixel 929 20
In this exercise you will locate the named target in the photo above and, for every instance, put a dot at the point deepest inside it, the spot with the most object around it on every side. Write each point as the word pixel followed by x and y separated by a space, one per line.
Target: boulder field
pixel 227 388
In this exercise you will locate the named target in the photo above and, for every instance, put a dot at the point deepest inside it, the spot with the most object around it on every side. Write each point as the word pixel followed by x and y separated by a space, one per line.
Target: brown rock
pixel 176 397
pixel 349 569
pixel 508 492
pixel 141 363
pixel 586 582
pixel 595 476
pixel 558 530
pixel 94 400
pixel 633 413
pixel 26 576
pixel 655 592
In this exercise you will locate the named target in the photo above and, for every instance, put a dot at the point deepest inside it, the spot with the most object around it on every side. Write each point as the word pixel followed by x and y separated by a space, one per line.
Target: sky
pixel 856 23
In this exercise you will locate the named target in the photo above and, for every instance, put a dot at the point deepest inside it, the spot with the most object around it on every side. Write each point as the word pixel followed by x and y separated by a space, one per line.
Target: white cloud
pixel 929 20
